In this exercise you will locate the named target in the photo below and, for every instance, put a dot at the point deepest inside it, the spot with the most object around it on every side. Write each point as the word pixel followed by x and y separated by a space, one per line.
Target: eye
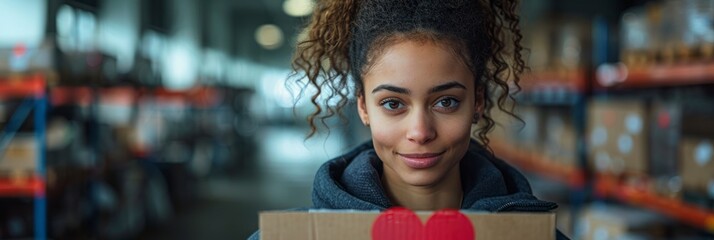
pixel 447 103
pixel 391 104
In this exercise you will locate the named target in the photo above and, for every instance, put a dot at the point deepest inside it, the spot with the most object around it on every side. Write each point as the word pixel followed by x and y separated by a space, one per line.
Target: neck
pixel 447 193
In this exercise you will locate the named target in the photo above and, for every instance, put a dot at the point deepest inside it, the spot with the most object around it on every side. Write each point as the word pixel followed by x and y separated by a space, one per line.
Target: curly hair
pixel 344 36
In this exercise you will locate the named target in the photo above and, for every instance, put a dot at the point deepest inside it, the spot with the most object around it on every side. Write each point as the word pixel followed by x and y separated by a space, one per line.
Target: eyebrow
pixel 442 87
pixel 447 86
pixel 391 88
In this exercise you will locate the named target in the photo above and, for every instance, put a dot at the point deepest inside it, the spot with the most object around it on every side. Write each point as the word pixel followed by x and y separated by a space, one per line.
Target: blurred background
pixel 172 119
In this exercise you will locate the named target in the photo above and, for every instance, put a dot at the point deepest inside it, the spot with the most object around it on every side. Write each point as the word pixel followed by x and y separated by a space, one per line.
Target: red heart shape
pixel 402 224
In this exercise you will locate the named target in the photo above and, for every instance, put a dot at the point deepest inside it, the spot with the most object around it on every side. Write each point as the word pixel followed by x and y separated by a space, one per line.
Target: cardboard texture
pixel 617 137
pixel 20 155
pixel 697 165
pixel 277 225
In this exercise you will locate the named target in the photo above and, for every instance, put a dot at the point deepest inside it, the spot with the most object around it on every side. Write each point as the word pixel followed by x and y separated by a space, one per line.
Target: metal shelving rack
pixel 579 179
pixel 556 89
pixel 610 187
pixel 32 89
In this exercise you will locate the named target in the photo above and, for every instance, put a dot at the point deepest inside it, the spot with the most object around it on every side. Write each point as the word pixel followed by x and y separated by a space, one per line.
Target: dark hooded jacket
pixel 353 181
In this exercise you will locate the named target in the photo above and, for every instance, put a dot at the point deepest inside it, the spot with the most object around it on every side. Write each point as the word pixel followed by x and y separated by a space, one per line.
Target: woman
pixel 423 73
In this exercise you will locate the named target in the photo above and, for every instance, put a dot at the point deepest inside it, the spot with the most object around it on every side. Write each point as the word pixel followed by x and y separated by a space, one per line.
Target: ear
pixel 480 100
pixel 362 109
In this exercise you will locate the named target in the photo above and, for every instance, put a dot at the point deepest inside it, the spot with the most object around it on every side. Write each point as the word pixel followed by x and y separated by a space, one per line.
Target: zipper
pixel 528 206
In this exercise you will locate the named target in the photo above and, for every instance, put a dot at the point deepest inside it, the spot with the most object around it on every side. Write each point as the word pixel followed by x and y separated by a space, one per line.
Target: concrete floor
pixel 227 207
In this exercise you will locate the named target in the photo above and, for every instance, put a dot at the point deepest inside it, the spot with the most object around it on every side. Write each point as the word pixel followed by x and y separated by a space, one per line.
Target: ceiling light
pixel 298 8
pixel 269 36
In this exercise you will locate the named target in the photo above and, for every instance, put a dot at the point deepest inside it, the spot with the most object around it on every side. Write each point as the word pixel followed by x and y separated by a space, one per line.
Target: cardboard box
pixel 502 131
pixel 670 121
pixel 603 221
pixel 617 137
pixel 697 165
pixel 560 137
pixel 509 130
pixel 20 156
pixel 405 225
pixel 528 136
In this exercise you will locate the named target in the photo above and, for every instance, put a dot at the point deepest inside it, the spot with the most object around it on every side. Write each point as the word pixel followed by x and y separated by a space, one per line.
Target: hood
pixel 353 181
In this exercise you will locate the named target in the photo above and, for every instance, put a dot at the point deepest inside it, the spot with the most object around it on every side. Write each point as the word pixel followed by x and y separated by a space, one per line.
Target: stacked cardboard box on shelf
pixel 525 134
pixel 558 45
pixel 675 129
pixel 19 158
pixel 697 160
pixel 635 41
pixel 668 32
pixel 502 130
pixel 547 132
pixel 697 170
pixel 617 137
pixel 560 137
pixel 600 221
pixel 667 143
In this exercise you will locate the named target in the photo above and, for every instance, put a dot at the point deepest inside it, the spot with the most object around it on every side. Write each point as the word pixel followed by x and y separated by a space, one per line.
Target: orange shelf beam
pixel 125 95
pixel 22 86
pixel 572 81
pixel 664 76
pixel 199 96
pixel 71 95
pixel 25 187
pixel 610 187
pixel 539 164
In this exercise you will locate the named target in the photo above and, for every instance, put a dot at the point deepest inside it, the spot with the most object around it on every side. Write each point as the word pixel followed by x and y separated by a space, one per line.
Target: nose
pixel 421 128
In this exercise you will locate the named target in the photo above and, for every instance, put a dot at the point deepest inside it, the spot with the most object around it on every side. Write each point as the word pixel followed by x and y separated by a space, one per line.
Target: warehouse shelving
pixel 609 187
pixel 547 81
pixel 540 164
pixel 565 90
pixel 22 86
pixel 65 95
pixel 655 76
pixel 31 88
pixel 25 187
pixel 551 88
pixel 672 75
pixel 606 186
pixel 200 97
pixel 146 154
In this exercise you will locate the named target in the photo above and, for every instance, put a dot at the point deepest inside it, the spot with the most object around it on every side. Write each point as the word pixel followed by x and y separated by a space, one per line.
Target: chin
pixel 427 177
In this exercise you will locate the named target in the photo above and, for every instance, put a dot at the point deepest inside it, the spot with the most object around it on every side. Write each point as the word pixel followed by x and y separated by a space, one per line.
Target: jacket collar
pixel 353 181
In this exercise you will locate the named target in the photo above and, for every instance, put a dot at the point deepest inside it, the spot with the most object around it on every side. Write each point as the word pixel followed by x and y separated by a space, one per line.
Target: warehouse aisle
pixel 227 206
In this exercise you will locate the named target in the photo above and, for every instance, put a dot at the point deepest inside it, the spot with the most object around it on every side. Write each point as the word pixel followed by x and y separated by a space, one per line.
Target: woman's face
pixel 419 101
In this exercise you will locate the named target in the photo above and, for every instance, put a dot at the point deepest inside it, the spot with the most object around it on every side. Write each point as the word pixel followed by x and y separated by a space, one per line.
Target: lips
pixel 420 160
